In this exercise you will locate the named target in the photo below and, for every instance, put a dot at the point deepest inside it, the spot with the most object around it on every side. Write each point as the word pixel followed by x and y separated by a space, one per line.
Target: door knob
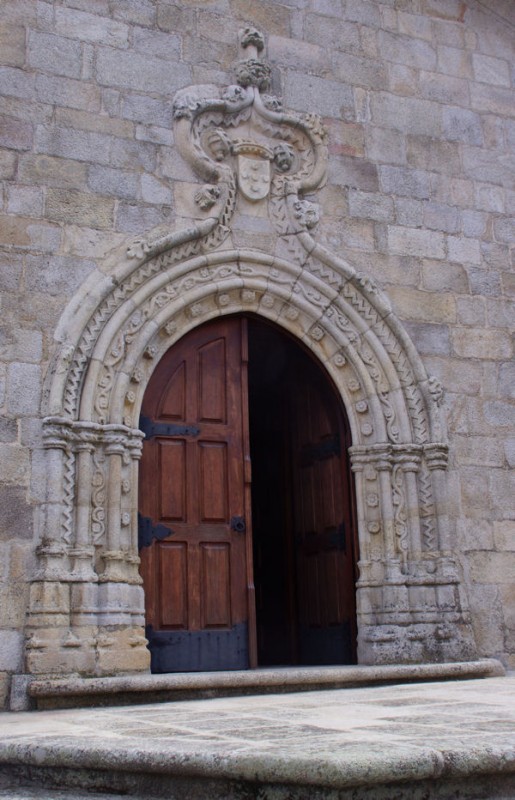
pixel 238 524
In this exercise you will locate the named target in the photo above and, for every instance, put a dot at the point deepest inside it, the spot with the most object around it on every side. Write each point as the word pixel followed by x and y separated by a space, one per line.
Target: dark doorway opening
pixel 302 507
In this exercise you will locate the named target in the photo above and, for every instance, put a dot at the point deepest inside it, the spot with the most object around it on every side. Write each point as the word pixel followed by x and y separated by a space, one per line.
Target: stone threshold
pixel 77 692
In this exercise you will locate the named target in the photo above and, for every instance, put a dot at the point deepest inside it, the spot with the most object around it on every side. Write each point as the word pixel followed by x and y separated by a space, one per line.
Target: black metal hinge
pixel 147 531
pixel 151 428
pixel 327 448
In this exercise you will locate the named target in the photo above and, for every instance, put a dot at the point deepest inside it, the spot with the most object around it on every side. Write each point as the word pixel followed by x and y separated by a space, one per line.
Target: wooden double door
pixel 247 539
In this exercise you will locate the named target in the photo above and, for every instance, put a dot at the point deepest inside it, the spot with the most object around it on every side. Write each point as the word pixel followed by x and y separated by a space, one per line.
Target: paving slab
pixel 434 740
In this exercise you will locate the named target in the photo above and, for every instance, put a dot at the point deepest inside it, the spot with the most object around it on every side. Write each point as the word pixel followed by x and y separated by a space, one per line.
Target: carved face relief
pixel 254 177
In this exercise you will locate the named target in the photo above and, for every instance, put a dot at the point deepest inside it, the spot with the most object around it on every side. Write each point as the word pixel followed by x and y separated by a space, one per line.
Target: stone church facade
pixel 342 171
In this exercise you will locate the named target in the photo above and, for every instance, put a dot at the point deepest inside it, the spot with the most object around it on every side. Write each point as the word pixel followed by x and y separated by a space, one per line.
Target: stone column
pixel 437 456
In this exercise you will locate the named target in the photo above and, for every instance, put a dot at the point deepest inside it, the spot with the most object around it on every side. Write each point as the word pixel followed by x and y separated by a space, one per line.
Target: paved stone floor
pixel 443 739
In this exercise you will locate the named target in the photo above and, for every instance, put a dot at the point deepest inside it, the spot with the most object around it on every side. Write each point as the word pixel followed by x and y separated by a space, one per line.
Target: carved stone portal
pixel 254 161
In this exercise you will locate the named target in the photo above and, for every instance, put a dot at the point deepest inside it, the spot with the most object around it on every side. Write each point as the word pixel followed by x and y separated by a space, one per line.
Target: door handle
pixel 238 524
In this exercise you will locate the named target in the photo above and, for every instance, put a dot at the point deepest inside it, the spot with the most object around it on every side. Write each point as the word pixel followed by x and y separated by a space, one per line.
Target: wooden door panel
pixel 173 586
pixel 213 481
pixel 174 395
pixel 212 378
pixel 192 482
pixel 172 480
pixel 215 581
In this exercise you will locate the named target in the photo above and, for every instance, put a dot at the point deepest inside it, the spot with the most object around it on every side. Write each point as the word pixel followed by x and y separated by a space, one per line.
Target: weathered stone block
pixel 504 230
pixel 471 311
pixel 74 145
pixel 337 34
pixel 475 534
pixel 475 223
pixel 416 242
pixel 483 344
pixel 506 387
pixel 404 181
pixel 367 72
pixel 140 12
pixel 504 534
pixel 14 460
pixel 94 28
pixel 454 61
pixel 443 88
pixel 485 165
pixel 479 451
pixel 67 92
pixel 25 200
pixel 132 155
pixel 7 165
pixel 329 98
pixel 370 205
pixel 345 138
pixel 439 276
pixel 430 154
pixel 491 70
pixel 176 18
pixel 405 50
pixel 430 339
pixel 8 431
pixel 147 110
pixel 17 83
pixel 462 125
pixel 117 182
pixel 15 134
pixel 409 114
pixel 386 146
pixel 20 344
pixel 490 198
pixel 23 388
pixel 408 212
pixel 464 250
pixel 500 414
pixel 354 172
pixel 55 54
pixel 11 650
pixel 12 44
pixel 69 205
pixel 142 72
pixel 500 313
pixel 154 191
pixel 484 282
pixel 23 232
pixel 441 217
pixel 50 171
pixel 86 121
pixel 162 45
pixel 497 100
pixel 56 274
pixel 137 218
pixel 412 304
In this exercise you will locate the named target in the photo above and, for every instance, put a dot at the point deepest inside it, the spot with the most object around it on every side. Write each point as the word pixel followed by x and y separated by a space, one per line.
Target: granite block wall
pixel 418 99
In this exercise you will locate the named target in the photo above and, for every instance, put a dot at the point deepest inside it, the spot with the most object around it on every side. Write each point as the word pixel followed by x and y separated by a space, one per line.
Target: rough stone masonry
pixel 418 103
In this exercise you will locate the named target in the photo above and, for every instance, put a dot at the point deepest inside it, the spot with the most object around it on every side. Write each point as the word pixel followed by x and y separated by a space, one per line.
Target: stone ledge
pixel 121 690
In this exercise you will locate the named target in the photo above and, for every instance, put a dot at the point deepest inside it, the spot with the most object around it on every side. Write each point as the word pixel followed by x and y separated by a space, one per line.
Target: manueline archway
pixel 249 249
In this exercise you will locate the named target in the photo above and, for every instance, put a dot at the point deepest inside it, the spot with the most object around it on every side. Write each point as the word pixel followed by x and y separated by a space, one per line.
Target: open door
pixel 195 522
pixel 228 389
pixel 303 511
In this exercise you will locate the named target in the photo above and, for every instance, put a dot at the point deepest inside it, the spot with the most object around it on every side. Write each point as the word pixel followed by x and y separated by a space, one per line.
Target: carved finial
pixel 252 37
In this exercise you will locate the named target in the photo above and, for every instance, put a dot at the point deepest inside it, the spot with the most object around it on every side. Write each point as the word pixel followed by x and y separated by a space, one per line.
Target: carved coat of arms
pixel 254 177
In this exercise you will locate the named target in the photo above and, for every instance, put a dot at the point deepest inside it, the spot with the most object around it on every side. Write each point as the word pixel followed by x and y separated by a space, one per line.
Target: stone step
pixel 83 692
pixel 431 740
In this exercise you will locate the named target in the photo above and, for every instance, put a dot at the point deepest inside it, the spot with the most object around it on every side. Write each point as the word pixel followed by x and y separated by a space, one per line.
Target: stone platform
pixel 439 739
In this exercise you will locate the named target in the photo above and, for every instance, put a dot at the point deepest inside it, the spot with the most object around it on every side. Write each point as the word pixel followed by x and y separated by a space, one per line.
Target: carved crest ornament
pixel 258 168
